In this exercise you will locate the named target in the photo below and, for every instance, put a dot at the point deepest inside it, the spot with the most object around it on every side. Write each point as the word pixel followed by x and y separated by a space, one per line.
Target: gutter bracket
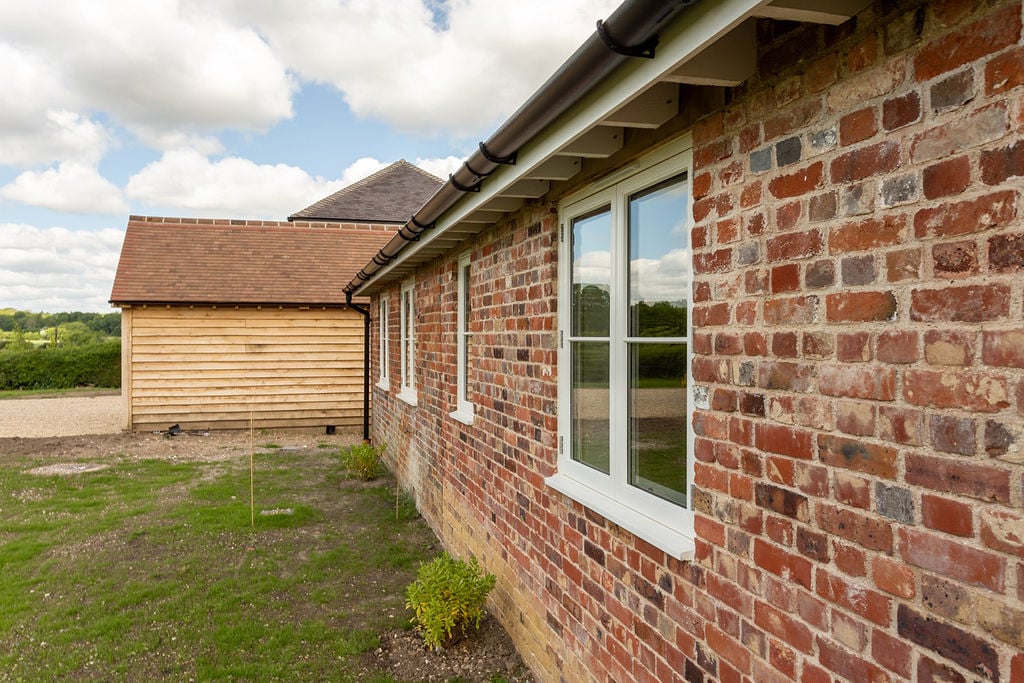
pixel 509 160
pixel 644 49
pixel 419 225
pixel 464 188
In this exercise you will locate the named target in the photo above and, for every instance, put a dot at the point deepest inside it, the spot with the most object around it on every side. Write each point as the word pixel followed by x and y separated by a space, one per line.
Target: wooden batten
pixel 204 367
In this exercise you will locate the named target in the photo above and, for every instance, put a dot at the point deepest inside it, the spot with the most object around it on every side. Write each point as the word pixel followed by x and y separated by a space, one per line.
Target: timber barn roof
pixel 224 261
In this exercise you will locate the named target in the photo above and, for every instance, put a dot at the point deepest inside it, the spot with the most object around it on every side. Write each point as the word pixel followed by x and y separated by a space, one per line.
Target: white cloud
pixel 230 187
pixel 156 65
pixel 56 269
pixel 393 63
pixel 72 187
pixel 441 167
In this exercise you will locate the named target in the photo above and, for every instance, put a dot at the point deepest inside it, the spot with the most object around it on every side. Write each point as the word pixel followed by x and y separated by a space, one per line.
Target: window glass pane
pixel 591 274
pixel 657 419
pixel 464 331
pixel 659 260
pixel 589 404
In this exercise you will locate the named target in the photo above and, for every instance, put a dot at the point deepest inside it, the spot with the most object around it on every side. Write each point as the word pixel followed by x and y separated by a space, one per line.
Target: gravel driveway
pixel 60 416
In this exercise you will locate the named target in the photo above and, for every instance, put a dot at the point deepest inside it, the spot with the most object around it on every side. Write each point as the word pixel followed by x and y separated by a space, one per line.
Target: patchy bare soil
pixel 484 656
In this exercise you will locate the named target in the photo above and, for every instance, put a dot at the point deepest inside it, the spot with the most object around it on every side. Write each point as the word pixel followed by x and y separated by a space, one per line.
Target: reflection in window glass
pixel 659 260
pixel 657 419
pixel 590 404
pixel 591 274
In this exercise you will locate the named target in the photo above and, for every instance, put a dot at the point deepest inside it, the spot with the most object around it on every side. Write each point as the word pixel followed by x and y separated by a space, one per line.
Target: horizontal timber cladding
pixel 217 368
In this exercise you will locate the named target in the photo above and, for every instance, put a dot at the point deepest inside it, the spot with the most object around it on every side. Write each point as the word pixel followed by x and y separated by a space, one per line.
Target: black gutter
pixel 631 31
pixel 366 362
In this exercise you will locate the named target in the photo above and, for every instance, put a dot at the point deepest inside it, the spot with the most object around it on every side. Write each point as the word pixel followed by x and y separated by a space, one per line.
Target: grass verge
pixel 153 570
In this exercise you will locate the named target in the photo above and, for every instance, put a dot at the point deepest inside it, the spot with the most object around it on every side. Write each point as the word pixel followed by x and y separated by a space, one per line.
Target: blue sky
pixel 237 108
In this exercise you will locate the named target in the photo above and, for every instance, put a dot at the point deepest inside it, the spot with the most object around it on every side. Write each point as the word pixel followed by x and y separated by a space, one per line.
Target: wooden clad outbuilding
pixel 230 321
pixel 224 321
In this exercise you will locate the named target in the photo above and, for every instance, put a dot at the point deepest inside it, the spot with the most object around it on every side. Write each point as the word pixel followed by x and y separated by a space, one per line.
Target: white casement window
pixel 464 403
pixel 407 342
pixel 384 343
pixel 624 404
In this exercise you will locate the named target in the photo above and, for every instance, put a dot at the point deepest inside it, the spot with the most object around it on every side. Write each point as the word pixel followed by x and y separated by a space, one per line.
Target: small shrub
pixel 447 597
pixel 363 460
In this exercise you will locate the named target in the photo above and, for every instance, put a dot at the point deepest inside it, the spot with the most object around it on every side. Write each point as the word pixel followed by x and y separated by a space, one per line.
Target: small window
pixel 383 342
pixel 625 437
pixel 407 342
pixel 464 401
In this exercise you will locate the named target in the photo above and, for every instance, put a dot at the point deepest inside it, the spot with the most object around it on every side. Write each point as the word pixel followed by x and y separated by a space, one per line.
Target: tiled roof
pixel 190 260
pixel 391 195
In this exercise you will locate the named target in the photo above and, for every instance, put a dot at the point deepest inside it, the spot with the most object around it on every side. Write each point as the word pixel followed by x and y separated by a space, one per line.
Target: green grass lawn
pixel 152 570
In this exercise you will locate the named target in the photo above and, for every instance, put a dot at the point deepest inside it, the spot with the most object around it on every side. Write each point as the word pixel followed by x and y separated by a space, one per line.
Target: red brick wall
pixel 859 353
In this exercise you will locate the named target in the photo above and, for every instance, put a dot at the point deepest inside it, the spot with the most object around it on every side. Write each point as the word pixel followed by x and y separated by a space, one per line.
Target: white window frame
pixel 464 408
pixel 666 525
pixel 383 343
pixel 407 341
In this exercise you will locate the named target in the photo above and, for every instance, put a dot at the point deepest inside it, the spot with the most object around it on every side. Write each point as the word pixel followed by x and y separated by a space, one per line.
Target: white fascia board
pixel 698 27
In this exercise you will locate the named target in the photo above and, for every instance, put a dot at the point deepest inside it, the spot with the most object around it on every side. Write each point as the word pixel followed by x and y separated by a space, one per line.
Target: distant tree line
pixel 59 350
pixel 106 324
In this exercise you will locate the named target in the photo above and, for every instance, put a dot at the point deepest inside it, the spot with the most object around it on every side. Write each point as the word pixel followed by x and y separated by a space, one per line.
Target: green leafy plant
pixel 448 596
pixel 363 460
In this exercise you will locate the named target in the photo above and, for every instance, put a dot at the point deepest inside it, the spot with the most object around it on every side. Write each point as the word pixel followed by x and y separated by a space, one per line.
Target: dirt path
pixel 60 416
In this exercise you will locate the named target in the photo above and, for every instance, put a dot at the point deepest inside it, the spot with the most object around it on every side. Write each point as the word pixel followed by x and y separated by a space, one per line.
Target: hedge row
pixel 98 365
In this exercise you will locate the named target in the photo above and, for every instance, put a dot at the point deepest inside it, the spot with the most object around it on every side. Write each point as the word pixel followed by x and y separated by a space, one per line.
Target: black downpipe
pixel 366 363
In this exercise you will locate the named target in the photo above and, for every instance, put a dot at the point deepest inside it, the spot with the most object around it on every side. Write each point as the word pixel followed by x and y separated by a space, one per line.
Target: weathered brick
pixel 848 666
pixel 945 475
pixel 895 503
pixel 797 183
pixel 821 207
pixel 951 434
pixel 853 597
pixel 1003 531
pixel 953 559
pixel 797 245
pixel 784 344
pixel 901 111
pixel 892 653
pixel 857 126
pixel 849 559
pixel 858 270
pixel 970 304
pixel 782 501
pixel 893 577
pixel 949 347
pixel 954 260
pixel 818 345
pixel 899 347
pixel 848 381
pixel 952 91
pixel 792 310
pixel 998 439
pixel 1006 253
pixel 860 307
pixel 788 151
pixel 785 278
pixel 857 200
pixel 994 32
pixel 944 514
pixel 977 128
pixel 974 391
pixel 795 443
pixel 903 265
pixel 900 190
pixel 1005 72
pixel 857 455
pixel 902 425
pixel 866 530
pixel 820 274
pixel 788 215
pixel 812 544
pixel 1001 620
pixel 998 165
pixel 774 559
pixel 946 178
pixel 856 418
pixel 852 490
pixel 949 599
pixel 948 641
pixel 865 162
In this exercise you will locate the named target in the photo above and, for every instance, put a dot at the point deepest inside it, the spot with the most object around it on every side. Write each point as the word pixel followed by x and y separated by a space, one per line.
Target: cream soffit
pixel 713 43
